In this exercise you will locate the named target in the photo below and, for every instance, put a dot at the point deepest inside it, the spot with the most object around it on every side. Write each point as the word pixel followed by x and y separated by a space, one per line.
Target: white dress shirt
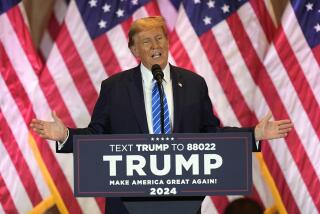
pixel 147 83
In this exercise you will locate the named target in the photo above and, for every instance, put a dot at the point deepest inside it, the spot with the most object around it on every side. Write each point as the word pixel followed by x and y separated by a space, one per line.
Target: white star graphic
pixel 152 139
pixel 106 8
pixel 225 8
pixel 197 1
pixel 309 6
pixel 157 139
pixel 167 138
pixel 207 20
pixel 93 3
pixel 317 27
pixel 102 24
pixel 162 138
pixel 134 2
pixel 120 12
pixel 172 138
pixel 210 4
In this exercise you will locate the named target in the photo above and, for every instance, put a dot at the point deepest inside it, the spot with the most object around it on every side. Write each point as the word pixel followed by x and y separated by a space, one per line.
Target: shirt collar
pixel 147 76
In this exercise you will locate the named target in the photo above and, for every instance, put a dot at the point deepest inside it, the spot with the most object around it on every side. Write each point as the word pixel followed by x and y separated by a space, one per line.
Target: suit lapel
pixel 135 91
pixel 178 93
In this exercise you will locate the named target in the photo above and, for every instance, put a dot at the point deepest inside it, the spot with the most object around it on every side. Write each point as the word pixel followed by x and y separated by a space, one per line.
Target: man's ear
pixel 134 51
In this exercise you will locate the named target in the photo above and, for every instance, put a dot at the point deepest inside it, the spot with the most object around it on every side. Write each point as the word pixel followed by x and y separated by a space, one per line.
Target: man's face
pixel 151 46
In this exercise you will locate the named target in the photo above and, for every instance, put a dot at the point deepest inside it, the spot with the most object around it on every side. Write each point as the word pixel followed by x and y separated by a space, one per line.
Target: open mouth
pixel 156 55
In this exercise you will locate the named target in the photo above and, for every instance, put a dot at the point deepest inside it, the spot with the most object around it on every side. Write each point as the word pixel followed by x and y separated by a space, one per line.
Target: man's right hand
pixel 55 130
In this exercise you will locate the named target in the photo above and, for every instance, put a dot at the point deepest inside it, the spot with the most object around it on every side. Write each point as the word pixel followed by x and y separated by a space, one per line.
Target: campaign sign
pixel 162 165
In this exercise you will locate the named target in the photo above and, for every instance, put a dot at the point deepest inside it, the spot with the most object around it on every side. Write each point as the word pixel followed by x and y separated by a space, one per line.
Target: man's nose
pixel 155 44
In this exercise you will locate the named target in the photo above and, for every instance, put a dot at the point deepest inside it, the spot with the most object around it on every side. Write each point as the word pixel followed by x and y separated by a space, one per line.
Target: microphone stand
pixel 160 88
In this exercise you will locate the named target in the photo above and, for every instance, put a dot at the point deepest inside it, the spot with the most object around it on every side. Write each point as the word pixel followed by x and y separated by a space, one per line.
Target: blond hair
pixel 145 24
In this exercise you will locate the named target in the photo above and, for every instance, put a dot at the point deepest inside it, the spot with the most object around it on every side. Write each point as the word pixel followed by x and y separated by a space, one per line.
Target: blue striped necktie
pixel 156 111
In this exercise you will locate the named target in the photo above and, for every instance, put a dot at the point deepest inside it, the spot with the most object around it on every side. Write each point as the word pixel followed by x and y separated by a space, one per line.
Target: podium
pixel 162 173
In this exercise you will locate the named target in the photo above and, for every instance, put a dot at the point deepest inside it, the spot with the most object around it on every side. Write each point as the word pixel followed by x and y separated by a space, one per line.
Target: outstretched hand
pixel 267 130
pixel 55 130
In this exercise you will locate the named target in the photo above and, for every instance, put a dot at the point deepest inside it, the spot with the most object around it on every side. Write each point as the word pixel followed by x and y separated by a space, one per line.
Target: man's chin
pixel 159 62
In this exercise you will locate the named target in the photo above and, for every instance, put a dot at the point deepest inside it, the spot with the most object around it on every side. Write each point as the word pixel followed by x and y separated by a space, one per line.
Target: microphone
pixel 157 73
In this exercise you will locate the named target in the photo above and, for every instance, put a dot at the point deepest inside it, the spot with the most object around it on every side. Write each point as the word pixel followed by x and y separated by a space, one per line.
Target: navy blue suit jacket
pixel 120 109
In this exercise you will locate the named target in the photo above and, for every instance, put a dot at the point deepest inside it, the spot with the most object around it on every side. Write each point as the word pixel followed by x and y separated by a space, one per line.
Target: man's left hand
pixel 267 130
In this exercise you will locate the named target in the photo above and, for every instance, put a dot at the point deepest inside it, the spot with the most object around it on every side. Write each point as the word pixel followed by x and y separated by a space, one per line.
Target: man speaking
pixel 129 102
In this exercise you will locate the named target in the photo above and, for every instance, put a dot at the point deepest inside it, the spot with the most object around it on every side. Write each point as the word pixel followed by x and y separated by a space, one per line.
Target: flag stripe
pixel 119 43
pixel 54 97
pixel 11 179
pixel 279 178
pixel 264 18
pixel 110 62
pixel 205 42
pixel 126 25
pixel 267 87
pixel 54 28
pixel 297 186
pixel 79 74
pixel 10 81
pixel 169 12
pixel 18 160
pixel 226 78
pixel 24 68
pixel 220 203
pixel 6 198
pixel 152 8
pixel 101 203
pixel 179 53
pixel 27 117
pixel 300 47
pixel 296 75
pixel 262 182
pixel 236 74
pixel 253 69
pixel 42 145
pixel 22 33
pixel 254 30
pixel 64 82
pixel 198 58
pixel 208 207
pixel 84 203
pixel 255 196
pixel 300 147
pixel 316 53
pixel 91 63
pixel 275 77
pixel 236 26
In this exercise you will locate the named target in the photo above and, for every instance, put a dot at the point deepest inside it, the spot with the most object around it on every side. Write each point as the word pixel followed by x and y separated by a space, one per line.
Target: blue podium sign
pixel 162 165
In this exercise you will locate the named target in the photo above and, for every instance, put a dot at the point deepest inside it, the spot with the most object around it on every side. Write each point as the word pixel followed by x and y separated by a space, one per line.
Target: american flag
pixel 250 65
pixel 292 74
pixel 22 185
